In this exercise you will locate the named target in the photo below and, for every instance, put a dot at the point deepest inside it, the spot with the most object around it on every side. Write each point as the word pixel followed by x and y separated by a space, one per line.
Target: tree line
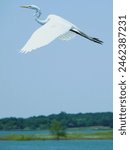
pixel 66 120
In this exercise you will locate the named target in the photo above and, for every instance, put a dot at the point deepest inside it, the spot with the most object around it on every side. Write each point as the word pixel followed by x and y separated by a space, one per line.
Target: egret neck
pixel 37 16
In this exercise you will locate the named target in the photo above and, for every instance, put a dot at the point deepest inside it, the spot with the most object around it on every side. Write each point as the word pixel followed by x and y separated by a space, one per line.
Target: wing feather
pixel 46 34
pixel 67 36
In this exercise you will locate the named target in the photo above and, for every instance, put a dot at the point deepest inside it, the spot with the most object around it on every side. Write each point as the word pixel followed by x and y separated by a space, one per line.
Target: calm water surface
pixel 57 145
pixel 47 132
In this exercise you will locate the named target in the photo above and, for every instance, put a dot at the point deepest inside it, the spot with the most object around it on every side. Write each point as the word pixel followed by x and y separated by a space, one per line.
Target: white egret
pixel 53 27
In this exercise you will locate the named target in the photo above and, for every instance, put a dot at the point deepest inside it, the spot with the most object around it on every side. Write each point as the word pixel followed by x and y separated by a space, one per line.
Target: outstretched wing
pixel 67 36
pixel 46 34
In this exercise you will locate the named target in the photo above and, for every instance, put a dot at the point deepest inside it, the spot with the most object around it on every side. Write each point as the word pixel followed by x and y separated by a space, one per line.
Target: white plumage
pixel 53 27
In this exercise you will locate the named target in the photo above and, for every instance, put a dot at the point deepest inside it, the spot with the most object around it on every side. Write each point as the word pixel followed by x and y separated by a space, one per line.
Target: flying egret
pixel 53 27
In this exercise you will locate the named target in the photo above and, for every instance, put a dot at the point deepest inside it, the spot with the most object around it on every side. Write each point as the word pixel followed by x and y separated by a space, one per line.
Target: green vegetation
pixel 57 129
pixel 68 120
pixel 91 136
pixel 69 136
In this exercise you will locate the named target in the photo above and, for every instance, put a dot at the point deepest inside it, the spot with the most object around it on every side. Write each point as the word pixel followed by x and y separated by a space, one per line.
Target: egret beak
pixel 24 6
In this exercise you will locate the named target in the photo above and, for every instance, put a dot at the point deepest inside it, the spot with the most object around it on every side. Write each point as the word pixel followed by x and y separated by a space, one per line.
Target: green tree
pixel 57 129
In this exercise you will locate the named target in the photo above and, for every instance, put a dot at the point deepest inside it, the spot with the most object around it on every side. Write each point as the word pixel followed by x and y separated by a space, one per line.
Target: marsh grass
pixel 69 136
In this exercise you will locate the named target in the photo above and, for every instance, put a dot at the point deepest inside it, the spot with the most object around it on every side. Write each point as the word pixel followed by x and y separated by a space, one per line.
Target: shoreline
pixel 69 136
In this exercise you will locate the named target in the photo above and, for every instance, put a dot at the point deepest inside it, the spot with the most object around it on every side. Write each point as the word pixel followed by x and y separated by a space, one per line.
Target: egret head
pixel 34 7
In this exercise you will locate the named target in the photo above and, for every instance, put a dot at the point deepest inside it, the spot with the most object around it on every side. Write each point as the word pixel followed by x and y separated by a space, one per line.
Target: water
pixel 82 130
pixel 86 130
pixel 57 145
pixel 24 132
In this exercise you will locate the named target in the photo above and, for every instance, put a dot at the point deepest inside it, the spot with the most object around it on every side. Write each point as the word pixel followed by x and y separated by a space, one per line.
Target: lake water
pixel 82 130
pixel 57 145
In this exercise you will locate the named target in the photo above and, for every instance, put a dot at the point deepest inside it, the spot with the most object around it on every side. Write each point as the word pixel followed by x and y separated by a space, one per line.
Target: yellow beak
pixel 24 6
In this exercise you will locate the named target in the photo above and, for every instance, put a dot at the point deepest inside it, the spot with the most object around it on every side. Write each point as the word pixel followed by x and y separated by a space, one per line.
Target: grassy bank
pixel 69 136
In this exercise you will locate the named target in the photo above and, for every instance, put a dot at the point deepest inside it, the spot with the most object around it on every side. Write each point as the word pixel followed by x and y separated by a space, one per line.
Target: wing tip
pixel 25 50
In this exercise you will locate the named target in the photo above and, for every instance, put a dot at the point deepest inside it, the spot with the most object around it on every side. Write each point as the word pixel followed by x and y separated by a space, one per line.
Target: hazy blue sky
pixel 73 76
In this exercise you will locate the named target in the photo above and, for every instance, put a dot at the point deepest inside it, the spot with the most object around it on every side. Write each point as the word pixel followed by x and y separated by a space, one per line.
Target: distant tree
pixel 57 129
pixel 64 119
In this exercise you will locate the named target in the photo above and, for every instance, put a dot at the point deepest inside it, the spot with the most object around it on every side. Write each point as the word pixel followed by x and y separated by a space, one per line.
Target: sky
pixel 71 76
